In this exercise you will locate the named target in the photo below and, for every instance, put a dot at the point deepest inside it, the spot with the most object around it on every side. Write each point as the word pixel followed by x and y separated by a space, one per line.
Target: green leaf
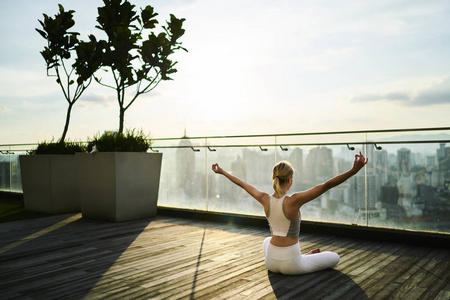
pixel 134 50
pixel 42 33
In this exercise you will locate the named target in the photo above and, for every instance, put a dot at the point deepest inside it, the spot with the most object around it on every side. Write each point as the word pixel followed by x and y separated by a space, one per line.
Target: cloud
pixel 437 94
pixel 98 98
pixel 434 95
pixel 367 98
pixel 394 96
pixel 95 100
pixel 397 96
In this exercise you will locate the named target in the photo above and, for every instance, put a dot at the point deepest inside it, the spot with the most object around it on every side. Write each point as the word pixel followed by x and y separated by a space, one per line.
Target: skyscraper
pixel 319 164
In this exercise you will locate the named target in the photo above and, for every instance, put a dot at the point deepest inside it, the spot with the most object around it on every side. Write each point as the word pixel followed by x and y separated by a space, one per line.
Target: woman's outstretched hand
pixel 360 161
pixel 217 169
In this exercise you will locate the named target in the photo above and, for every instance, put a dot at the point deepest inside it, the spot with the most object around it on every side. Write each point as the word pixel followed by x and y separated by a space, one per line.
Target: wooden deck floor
pixel 68 257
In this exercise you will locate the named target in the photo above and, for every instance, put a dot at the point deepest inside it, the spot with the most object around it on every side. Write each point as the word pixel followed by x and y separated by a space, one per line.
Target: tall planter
pixel 49 183
pixel 118 186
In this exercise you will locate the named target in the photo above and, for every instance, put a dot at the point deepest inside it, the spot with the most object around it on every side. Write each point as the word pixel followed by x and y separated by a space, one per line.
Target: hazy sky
pixel 253 67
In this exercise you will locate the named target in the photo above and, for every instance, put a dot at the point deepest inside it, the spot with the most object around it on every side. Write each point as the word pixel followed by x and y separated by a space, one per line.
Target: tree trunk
pixel 66 126
pixel 121 119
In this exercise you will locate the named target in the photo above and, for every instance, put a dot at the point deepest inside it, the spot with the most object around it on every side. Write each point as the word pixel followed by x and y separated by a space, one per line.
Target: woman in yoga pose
pixel 282 249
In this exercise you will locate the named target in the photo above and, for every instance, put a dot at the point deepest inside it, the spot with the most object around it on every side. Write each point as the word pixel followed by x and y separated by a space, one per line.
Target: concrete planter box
pixel 50 183
pixel 118 186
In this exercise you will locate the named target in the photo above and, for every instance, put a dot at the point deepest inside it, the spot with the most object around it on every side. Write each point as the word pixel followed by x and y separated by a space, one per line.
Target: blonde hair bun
pixel 280 175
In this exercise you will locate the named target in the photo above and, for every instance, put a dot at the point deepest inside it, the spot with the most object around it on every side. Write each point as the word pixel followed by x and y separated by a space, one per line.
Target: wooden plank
pixel 382 274
pixel 444 294
pixel 415 275
pixel 439 279
pixel 396 273
pixel 218 270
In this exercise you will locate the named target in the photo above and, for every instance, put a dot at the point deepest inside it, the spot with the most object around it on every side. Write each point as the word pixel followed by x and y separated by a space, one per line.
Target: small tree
pixel 61 45
pixel 133 60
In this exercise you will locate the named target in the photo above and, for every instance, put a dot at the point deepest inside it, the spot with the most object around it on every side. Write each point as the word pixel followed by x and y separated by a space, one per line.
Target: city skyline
pixel 252 68
pixel 405 187
pixel 399 187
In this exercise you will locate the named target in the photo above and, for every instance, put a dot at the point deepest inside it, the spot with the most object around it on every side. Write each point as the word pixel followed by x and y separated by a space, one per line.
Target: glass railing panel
pixel 5 172
pixel 315 165
pixel 250 164
pixel 16 180
pixel 412 187
pixel 182 182
pixel 10 180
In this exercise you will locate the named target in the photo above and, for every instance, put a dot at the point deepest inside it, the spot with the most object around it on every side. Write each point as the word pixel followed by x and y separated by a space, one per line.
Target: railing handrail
pixel 302 144
pixel 290 134
pixel 305 133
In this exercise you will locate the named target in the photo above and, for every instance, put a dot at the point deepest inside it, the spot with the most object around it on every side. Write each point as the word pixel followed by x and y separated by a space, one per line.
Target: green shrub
pixel 130 141
pixel 59 148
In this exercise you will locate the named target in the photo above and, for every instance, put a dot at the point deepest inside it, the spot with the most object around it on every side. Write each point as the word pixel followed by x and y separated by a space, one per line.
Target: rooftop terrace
pixel 393 244
pixel 70 257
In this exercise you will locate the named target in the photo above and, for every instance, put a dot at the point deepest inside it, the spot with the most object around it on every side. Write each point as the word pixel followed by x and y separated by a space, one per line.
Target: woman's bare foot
pixel 314 251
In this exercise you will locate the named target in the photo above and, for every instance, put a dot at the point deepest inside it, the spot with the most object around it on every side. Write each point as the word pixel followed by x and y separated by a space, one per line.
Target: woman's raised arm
pixel 298 199
pixel 261 197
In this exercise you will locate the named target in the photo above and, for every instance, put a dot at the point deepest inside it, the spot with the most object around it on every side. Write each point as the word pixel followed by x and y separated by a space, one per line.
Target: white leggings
pixel 290 261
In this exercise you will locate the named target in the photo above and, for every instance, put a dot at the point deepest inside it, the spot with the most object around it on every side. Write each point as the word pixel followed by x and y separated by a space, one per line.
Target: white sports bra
pixel 279 224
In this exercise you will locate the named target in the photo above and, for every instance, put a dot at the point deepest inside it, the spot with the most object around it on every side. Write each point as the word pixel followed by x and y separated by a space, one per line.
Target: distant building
pixel 261 164
pixel 185 167
pixel 443 165
pixel 296 159
pixel 430 162
pixel 357 191
pixel 403 160
pixel 380 164
pixel 319 165
pixel 407 185
pixel 238 169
